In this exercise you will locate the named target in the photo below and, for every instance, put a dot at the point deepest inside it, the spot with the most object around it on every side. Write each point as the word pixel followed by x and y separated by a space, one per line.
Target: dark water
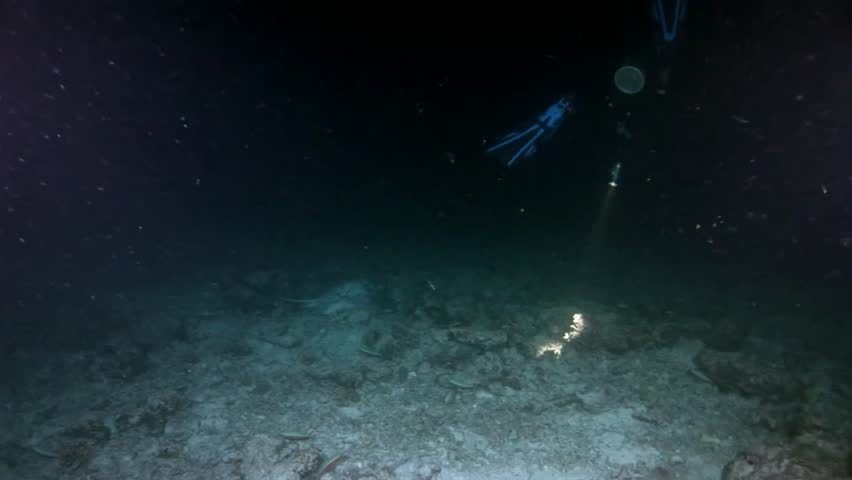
pixel 158 162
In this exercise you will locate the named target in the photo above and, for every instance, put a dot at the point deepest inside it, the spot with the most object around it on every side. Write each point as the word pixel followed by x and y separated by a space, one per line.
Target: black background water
pixel 144 141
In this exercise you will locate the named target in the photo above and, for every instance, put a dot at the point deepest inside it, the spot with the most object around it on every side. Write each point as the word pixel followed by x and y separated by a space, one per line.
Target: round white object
pixel 629 79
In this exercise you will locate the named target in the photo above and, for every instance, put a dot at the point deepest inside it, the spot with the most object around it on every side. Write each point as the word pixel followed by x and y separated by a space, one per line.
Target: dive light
pixel 614 173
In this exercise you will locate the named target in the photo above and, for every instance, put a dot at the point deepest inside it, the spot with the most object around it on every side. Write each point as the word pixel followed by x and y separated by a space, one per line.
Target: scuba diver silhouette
pixel 523 143
pixel 670 20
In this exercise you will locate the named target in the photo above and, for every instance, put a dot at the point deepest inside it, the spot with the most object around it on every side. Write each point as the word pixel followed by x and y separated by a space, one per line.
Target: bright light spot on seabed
pixel 552 347
pixel 578 324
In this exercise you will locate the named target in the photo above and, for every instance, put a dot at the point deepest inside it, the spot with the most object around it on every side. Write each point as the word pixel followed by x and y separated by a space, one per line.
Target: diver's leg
pixel 669 29
pixel 528 149
pixel 512 137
